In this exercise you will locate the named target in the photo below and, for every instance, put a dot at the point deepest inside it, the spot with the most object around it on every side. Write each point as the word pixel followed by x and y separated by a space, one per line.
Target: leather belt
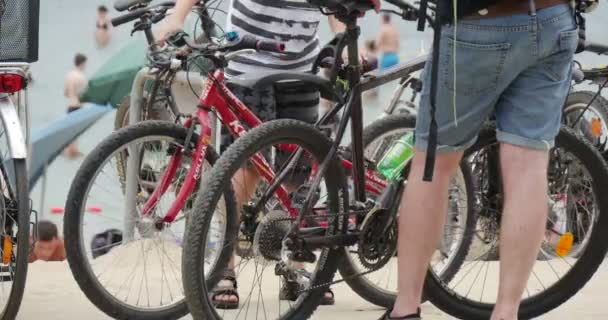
pixel 511 7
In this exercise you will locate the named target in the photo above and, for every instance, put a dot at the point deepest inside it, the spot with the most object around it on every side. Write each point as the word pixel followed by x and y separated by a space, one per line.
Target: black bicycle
pixel 587 110
pixel 308 248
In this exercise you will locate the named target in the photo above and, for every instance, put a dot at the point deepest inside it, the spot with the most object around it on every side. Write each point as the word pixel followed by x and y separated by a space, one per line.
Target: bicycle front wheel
pixel 125 262
pixel 577 178
pixel 271 284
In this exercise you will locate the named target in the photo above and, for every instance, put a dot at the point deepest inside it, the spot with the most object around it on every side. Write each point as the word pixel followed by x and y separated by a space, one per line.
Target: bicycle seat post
pixel 356 112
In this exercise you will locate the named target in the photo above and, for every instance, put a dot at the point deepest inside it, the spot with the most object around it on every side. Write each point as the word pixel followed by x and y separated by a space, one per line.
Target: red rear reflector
pixel 10 83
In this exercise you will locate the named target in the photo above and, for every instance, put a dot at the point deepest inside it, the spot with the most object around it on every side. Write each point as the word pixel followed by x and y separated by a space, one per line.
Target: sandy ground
pixel 52 293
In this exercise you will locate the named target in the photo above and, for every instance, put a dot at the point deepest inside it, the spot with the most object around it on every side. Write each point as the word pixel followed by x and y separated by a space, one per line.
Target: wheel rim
pixel 143 273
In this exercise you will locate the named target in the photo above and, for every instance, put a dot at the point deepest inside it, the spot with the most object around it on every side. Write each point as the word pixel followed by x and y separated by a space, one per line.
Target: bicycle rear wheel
pixel 15 236
pixel 593 124
pixel 577 178
pixel 269 274
pixel 127 264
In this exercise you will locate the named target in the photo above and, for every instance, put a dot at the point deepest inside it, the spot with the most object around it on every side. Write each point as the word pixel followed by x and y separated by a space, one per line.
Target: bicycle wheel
pixel 14 238
pixel 380 287
pixel 593 124
pixel 269 275
pixel 577 177
pixel 127 264
pixel 158 111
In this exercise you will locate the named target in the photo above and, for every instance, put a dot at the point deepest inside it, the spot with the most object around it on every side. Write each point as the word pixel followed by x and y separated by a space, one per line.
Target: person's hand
pixel 166 28
pixel 376 5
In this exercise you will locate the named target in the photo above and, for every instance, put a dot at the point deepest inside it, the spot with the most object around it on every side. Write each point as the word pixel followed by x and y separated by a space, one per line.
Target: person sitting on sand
pixel 49 246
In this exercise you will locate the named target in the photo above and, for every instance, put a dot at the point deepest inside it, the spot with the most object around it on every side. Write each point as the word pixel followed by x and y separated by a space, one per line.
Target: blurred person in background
pixel 75 82
pixel 388 43
pixel 103 27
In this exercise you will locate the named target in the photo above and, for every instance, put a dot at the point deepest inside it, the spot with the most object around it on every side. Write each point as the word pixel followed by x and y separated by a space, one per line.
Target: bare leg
pixel 524 218
pixel 422 215
pixel 244 182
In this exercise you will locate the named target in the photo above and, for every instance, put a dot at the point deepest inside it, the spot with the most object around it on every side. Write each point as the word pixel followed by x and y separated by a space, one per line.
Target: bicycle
pixel 14 194
pixel 156 179
pixel 18 48
pixel 572 160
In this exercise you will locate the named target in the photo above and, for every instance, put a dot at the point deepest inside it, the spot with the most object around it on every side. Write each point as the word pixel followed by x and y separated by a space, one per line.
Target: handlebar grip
pixel 270 46
pixel 134 15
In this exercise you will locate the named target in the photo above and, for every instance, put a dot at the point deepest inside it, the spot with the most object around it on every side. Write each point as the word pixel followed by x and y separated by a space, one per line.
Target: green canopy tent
pixel 112 82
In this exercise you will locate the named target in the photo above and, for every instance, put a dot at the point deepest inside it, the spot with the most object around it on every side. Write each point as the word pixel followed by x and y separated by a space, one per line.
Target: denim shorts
pixel 514 68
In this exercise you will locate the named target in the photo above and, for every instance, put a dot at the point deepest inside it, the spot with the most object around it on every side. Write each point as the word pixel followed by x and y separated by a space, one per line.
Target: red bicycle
pixel 166 163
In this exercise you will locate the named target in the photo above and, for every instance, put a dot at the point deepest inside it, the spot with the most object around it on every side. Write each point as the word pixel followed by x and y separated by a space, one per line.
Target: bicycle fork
pixel 186 187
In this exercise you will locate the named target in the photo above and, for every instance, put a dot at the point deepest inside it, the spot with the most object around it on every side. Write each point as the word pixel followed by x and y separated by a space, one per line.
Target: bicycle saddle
pixel 347 7
pixel 266 79
pixel 122 5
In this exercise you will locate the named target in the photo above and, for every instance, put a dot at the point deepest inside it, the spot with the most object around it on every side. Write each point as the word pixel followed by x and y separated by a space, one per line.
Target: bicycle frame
pixel 218 99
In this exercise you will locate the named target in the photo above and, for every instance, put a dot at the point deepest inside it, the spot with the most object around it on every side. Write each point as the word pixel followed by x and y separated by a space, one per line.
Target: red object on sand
pixel 94 209
pixel 57 210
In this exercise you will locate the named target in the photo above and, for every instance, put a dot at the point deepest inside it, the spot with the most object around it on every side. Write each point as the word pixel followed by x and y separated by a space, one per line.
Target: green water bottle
pixel 395 159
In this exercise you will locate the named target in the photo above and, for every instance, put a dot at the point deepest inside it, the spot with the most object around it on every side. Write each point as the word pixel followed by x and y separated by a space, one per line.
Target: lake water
pixel 67 27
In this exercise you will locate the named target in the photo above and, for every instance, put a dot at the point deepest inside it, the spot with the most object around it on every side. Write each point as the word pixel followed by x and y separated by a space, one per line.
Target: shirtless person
pixel 49 246
pixel 75 82
pixel 388 43
pixel 103 27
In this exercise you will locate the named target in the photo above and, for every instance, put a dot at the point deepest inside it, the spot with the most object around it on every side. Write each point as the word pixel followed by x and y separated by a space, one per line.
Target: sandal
pixel 229 290
pixel 328 298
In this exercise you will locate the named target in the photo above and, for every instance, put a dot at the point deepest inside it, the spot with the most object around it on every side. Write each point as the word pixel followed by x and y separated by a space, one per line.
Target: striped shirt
pixel 292 22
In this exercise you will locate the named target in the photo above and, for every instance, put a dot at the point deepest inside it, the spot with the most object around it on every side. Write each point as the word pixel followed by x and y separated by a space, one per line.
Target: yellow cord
pixel 455 4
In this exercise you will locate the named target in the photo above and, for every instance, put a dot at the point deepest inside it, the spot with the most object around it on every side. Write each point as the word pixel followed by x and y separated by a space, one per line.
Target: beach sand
pixel 52 293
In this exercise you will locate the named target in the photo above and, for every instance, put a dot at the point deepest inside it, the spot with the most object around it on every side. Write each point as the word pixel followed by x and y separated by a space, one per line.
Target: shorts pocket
pixel 477 66
pixel 559 64
pixel 568 40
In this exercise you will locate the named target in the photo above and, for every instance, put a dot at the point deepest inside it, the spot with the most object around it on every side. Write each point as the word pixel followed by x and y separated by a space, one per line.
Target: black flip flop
pixel 387 316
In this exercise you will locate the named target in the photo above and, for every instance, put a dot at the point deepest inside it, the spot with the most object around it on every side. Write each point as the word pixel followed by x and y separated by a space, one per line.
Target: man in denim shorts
pixel 513 61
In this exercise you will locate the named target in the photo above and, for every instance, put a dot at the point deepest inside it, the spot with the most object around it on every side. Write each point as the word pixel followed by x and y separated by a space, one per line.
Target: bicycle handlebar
pixel 180 39
pixel 133 15
pixel 136 14
pixel 409 11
